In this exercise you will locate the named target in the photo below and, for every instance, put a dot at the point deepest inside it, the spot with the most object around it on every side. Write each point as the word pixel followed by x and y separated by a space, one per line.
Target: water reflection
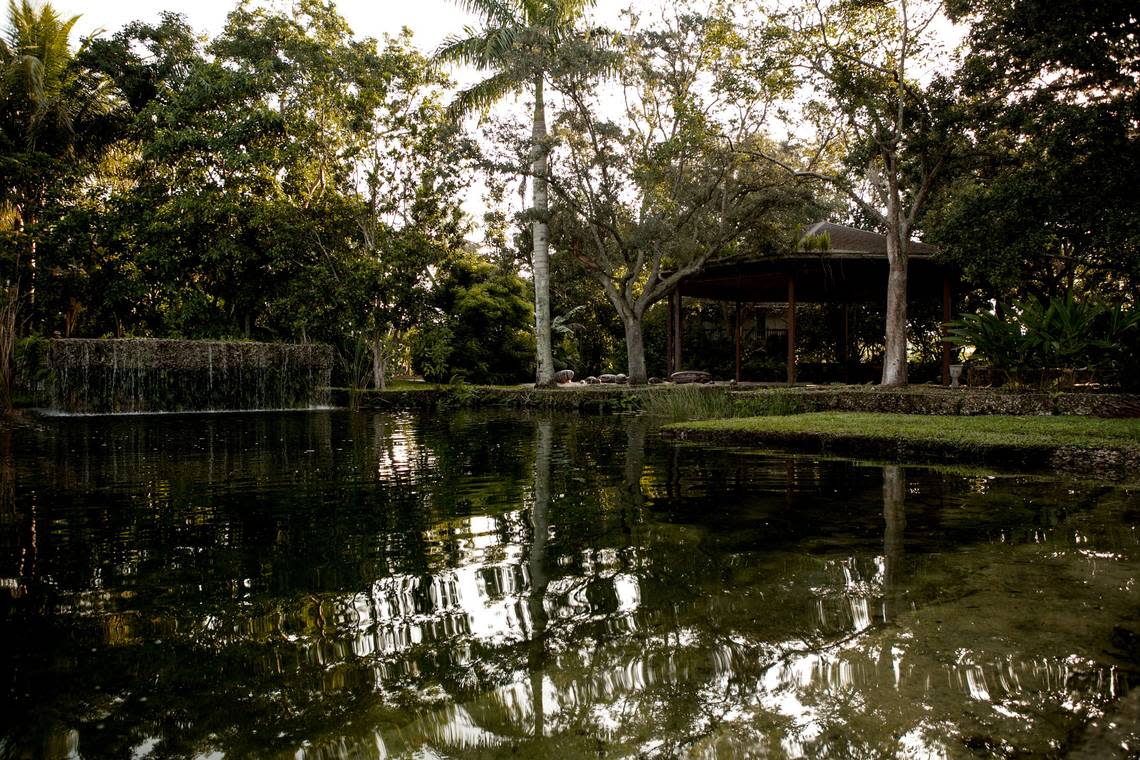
pixel 336 585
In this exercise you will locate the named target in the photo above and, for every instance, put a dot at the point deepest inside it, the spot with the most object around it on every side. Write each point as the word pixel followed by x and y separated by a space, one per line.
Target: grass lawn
pixel 1088 446
pixel 982 430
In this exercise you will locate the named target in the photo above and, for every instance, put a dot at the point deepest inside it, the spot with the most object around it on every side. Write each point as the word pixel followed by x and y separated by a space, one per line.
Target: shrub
pixel 1060 333
pixel 482 330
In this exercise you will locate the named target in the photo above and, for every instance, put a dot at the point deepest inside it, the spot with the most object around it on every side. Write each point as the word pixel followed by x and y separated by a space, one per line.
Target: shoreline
pixel 1071 445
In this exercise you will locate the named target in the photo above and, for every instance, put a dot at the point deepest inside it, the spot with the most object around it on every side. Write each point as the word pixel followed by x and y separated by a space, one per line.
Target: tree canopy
pixel 287 179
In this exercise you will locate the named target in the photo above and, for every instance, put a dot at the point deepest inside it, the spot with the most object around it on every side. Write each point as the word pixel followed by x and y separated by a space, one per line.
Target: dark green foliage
pixel 1059 333
pixel 283 181
pixel 597 346
pixel 1052 89
pixel 481 329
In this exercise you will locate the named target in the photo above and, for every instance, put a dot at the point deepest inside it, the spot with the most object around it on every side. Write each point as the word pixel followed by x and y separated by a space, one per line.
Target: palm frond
pixel 494 12
pixel 486 49
pixel 481 96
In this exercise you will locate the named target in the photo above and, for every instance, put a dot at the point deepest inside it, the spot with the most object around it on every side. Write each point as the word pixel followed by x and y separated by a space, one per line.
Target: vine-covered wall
pixel 140 375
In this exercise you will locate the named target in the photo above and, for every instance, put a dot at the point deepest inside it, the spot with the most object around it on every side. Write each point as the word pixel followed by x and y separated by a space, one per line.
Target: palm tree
pixel 517 42
pixel 50 112
pixel 36 57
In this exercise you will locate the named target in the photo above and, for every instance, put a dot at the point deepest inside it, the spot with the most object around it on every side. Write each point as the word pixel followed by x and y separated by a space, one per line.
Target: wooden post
pixel 945 320
pixel 738 337
pixel 846 342
pixel 791 329
pixel 669 338
pixel 678 333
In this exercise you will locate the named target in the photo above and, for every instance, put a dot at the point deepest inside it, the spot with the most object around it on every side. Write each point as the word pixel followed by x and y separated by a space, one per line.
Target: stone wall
pixel 136 375
pixel 919 399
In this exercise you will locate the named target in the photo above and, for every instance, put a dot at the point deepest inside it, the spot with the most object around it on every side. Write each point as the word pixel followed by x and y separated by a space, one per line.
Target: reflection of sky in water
pixel 709 606
pixel 801 683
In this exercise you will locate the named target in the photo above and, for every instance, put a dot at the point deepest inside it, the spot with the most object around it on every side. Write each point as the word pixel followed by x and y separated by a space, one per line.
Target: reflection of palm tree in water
pixel 540 521
pixel 894 517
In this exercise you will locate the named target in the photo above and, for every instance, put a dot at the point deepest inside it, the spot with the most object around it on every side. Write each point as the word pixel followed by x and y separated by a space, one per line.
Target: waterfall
pixel 124 376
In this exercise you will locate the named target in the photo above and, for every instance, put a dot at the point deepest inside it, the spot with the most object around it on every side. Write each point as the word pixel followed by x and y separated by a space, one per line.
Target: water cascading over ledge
pixel 143 375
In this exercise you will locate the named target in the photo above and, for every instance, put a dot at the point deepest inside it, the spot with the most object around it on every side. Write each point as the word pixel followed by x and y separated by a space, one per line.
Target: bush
pixel 1061 333
pixel 482 331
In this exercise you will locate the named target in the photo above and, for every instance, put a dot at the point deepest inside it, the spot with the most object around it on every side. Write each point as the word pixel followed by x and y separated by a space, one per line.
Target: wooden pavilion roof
pixel 852 269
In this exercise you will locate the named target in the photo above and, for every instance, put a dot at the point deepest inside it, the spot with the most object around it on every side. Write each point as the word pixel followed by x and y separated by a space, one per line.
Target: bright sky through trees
pixel 429 19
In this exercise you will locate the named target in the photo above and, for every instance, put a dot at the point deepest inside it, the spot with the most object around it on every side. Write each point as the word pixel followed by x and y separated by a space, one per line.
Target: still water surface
pixel 328 585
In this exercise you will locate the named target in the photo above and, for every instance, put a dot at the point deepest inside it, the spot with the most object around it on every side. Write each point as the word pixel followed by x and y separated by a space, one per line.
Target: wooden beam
pixel 791 329
pixel 669 337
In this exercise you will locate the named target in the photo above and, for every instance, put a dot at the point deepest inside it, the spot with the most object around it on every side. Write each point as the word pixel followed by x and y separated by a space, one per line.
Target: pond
pixel 335 585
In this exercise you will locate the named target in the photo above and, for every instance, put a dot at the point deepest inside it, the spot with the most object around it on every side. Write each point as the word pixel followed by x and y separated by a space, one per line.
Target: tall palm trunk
pixel 541 236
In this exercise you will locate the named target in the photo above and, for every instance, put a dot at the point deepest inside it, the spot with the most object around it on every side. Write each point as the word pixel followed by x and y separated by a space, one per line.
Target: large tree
pixel 1055 88
pixel 651 196
pixel 518 42
pixel 885 138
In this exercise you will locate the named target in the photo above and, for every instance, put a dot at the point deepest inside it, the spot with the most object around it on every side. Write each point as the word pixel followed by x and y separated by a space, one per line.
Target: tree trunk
pixel 634 350
pixel 378 369
pixel 541 252
pixel 894 358
pixel 9 313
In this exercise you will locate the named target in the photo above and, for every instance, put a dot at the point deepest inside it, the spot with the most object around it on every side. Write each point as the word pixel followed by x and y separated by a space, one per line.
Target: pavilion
pixel 851 267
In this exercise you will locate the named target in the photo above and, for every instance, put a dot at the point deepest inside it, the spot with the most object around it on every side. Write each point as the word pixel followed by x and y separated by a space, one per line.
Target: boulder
pixel 690 376
pixel 591 380
pixel 622 380
pixel 655 381
pixel 563 376
pixel 607 379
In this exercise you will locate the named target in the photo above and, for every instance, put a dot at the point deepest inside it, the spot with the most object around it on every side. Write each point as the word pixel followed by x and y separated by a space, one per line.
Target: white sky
pixel 431 20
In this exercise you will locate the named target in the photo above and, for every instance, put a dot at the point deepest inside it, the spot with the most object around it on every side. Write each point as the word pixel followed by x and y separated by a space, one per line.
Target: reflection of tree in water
pixel 501 582
pixel 894 519
pixel 536 599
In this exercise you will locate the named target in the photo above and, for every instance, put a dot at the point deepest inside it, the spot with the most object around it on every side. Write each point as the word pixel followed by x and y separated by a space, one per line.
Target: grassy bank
pixel 695 402
pixel 1081 444
pixel 424 396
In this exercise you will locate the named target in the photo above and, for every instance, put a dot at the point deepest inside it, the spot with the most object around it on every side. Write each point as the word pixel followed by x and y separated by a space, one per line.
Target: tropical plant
pixel 50 111
pixel 1059 333
pixel 564 331
pixel 518 43
pixel 36 56
pixel 996 340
